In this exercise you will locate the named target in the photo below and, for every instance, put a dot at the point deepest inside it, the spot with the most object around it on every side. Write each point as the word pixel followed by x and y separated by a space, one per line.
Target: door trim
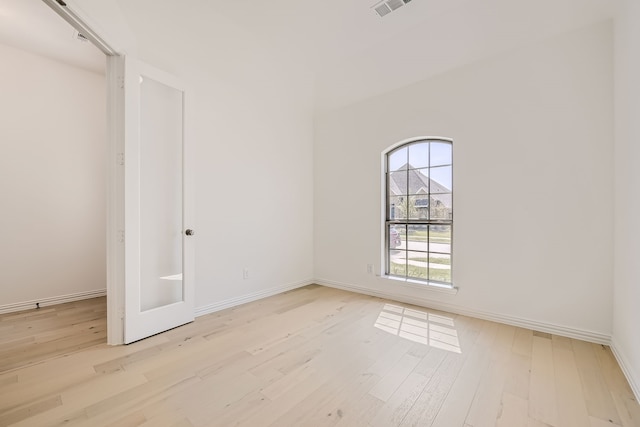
pixel 115 201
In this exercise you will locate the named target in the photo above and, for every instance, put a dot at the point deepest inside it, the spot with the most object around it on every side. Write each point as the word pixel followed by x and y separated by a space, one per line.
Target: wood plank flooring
pixel 314 356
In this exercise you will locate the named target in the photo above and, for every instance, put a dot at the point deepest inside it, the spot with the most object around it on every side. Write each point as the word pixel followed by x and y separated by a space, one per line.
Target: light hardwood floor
pixel 314 356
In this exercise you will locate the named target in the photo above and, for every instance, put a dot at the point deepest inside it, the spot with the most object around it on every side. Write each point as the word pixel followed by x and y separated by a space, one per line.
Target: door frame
pixel 115 200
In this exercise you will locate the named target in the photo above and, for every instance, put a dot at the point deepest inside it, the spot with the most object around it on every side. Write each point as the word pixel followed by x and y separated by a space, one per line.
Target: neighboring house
pixel 417 195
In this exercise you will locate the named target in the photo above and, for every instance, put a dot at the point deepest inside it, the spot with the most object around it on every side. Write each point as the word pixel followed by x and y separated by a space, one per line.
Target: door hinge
pixel 120 236
pixel 120 159
pixel 121 82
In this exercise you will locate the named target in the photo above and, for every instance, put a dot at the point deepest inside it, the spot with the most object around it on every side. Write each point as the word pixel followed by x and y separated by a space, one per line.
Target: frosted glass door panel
pixel 161 132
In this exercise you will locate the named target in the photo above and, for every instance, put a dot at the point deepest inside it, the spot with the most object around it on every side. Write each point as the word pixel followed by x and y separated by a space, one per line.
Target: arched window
pixel 419 211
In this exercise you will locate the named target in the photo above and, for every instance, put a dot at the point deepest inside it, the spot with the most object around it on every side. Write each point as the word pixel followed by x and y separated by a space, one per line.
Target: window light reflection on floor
pixel 419 326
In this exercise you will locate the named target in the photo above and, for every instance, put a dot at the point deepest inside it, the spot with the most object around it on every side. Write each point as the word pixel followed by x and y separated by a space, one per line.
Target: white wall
pixel 249 120
pixel 533 167
pixel 52 185
pixel 626 315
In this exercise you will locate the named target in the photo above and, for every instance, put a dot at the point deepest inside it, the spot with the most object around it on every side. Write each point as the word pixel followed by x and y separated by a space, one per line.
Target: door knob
pixel 189 232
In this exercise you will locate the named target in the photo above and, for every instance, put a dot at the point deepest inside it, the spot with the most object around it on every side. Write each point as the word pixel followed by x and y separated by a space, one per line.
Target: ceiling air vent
pixel 382 9
pixel 386 7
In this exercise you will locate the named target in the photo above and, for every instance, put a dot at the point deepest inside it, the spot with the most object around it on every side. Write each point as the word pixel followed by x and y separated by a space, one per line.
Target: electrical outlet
pixel 245 273
pixel 369 268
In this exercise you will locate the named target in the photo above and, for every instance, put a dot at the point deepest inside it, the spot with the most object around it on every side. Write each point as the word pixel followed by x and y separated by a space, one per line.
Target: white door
pixel 158 211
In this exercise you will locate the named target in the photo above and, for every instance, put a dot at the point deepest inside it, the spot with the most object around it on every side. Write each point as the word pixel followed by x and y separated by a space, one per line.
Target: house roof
pixel 417 182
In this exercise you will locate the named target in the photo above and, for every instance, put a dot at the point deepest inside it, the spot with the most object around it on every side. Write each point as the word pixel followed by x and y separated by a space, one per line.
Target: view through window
pixel 419 211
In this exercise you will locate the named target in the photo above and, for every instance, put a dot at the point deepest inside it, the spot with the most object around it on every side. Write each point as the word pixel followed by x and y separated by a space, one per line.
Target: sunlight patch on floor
pixel 419 326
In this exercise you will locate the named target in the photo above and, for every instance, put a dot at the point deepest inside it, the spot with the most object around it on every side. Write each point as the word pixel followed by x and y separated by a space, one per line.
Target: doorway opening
pixel 54 162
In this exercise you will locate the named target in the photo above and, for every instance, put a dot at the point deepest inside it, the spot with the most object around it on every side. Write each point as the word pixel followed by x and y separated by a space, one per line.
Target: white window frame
pixel 411 282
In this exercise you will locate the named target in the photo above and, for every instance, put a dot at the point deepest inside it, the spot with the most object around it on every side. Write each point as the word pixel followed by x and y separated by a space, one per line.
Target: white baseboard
pixel 43 302
pixel 233 302
pixel 550 328
pixel 627 370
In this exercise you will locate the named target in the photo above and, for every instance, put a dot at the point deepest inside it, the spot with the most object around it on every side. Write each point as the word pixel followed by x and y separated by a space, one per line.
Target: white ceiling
pixel 356 54
pixel 353 53
pixel 32 26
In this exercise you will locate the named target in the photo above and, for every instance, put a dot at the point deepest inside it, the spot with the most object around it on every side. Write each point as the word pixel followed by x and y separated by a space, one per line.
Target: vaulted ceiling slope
pixel 355 54
pixel 352 52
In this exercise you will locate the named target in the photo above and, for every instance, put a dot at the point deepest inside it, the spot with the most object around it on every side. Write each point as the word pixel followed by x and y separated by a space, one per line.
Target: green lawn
pixel 421 236
pixel 437 274
pixel 431 260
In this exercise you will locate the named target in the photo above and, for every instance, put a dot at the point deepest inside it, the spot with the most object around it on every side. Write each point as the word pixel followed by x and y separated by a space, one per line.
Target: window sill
pixel 429 286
